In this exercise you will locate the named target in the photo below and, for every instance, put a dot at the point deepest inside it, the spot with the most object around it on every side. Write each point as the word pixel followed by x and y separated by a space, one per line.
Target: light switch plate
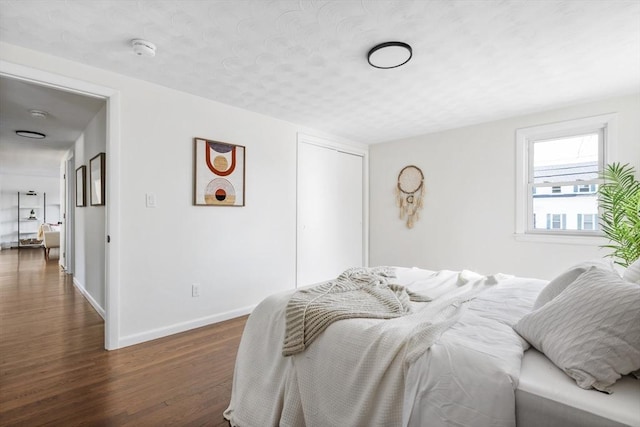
pixel 151 200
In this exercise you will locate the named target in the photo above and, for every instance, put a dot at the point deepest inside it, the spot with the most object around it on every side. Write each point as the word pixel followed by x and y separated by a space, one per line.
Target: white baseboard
pixel 182 327
pixel 79 286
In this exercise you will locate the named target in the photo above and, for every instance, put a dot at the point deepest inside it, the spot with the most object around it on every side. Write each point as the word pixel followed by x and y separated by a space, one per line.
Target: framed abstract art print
pixel 218 173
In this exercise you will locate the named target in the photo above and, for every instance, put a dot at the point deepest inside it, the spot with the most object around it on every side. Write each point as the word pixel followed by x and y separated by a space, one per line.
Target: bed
pixel 454 360
pixel 546 396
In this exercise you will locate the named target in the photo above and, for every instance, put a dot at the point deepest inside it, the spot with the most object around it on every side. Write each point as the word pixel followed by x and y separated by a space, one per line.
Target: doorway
pixel 331 213
pixel 112 141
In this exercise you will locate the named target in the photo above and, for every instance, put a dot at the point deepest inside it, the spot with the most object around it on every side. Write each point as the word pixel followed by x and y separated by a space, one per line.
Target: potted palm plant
pixel 619 203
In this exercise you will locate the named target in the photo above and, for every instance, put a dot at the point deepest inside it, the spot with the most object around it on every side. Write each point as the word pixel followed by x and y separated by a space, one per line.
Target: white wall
pixel 238 255
pixel 468 220
pixel 89 221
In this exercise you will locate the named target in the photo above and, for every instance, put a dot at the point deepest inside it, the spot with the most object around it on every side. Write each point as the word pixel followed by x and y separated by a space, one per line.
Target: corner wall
pixel 238 255
pixel 468 219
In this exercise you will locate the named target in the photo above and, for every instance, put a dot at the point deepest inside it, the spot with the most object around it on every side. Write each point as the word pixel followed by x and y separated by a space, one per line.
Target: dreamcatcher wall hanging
pixel 410 193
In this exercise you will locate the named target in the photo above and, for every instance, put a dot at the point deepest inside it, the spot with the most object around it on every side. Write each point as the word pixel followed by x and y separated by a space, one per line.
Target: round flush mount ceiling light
pixel 389 55
pixel 39 114
pixel 30 134
pixel 143 48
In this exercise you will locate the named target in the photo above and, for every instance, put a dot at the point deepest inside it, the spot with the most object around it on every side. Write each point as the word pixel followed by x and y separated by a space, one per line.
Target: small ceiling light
pixel 38 114
pixel 389 55
pixel 143 48
pixel 30 134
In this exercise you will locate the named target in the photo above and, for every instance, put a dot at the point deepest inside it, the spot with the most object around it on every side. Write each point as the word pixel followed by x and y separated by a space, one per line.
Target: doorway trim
pixel 112 221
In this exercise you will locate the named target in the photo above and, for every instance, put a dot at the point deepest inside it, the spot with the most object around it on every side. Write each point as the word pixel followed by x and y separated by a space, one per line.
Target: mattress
pixel 546 396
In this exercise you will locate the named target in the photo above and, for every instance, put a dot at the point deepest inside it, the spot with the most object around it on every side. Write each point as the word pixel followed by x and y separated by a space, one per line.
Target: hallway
pixel 54 369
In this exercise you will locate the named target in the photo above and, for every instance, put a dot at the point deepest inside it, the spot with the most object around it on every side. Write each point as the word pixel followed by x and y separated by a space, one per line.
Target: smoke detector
pixel 143 48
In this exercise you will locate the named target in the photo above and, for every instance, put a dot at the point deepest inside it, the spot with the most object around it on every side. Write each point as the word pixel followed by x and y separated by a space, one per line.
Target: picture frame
pixel 97 180
pixel 81 186
pixel 219 173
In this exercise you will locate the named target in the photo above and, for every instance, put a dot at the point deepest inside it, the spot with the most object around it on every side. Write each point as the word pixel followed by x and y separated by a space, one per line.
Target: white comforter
pixel 446 364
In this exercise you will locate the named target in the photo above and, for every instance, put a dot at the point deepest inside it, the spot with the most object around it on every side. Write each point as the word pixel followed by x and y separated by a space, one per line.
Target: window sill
pixel 570 239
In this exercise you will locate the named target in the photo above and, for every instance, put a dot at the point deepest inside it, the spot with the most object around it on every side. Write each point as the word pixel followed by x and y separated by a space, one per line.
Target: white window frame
pixel 525 138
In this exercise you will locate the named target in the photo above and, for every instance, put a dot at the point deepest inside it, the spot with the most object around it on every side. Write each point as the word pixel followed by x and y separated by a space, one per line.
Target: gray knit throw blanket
pixel 357 293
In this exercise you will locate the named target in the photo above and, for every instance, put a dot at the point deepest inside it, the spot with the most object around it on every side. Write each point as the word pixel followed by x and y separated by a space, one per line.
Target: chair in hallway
pixel 51 239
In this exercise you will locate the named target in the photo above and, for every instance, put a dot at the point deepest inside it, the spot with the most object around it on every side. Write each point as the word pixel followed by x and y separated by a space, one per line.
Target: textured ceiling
pixel 304 61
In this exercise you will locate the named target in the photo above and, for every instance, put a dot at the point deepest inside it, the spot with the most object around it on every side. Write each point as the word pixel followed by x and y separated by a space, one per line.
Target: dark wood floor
pixel 54 369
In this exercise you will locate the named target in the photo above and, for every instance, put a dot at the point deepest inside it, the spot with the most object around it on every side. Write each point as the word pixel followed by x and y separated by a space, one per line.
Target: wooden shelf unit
pixel 28 227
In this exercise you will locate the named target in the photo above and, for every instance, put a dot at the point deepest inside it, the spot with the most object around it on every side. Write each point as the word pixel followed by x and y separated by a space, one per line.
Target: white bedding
pixel 368 372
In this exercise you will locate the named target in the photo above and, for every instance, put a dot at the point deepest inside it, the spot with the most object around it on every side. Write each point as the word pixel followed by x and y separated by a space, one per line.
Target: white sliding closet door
pixel 330 213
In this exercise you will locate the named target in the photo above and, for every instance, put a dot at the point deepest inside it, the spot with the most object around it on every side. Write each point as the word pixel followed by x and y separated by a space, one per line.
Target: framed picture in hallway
pixel 81 186
pixel 218 173
pixel 96 180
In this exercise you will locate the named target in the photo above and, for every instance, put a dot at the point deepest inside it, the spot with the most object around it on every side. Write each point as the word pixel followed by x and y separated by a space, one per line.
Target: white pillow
pixel 632 273
pixel 559 283
pixel 591 330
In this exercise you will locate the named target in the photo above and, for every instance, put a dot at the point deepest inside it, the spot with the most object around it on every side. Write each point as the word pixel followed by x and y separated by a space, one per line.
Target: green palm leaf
pixel 619 201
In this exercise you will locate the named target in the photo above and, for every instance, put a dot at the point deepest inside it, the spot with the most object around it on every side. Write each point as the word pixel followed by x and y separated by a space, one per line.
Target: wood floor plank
pixel 54 369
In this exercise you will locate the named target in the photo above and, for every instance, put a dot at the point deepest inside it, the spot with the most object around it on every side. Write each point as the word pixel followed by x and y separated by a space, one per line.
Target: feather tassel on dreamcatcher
pixel 410 193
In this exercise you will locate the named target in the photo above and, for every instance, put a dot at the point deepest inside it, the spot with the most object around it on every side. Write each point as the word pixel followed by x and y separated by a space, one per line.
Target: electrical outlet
pixel 195 290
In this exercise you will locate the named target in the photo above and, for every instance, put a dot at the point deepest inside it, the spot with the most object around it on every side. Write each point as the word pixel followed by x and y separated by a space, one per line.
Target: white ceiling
pixel 304 61
pixel 68 116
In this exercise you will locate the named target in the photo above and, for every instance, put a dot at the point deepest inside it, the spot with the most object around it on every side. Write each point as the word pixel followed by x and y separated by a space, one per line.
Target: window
pixel 584 188
pixel 587 221
pixel 559 168
pixel 556 221
pixel 560 163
